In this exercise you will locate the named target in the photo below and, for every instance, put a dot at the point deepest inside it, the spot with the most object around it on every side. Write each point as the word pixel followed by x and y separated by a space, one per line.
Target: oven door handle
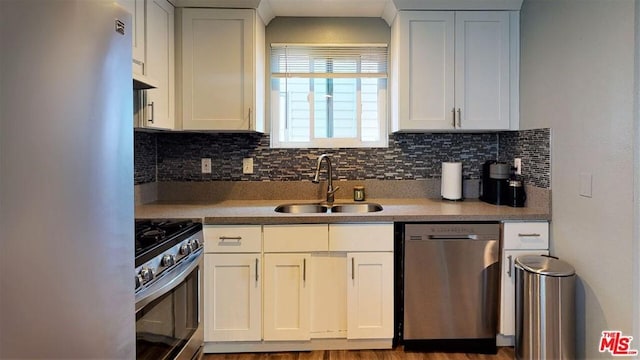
pixel 169 283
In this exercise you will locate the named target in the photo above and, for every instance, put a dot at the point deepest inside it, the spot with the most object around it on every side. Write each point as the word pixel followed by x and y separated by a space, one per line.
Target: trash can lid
pixel 544 265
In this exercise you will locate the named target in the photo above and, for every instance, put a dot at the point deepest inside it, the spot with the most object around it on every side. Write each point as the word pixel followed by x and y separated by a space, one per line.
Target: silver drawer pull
pixel 510 264
pixel 236 238
pixel 353 269
pixel 256 269
pixel 529 235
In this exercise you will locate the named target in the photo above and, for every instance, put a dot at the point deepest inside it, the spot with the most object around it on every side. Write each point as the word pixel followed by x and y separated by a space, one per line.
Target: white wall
pixel 577 77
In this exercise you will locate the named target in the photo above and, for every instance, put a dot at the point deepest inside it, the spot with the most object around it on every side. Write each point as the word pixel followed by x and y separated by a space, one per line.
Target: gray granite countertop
pixel 396 210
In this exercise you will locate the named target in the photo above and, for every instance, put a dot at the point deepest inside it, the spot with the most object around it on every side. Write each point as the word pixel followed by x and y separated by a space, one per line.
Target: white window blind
pixel 329 61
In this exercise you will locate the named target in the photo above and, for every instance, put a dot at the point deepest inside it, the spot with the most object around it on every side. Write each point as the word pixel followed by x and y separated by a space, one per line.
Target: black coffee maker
pixel 495 182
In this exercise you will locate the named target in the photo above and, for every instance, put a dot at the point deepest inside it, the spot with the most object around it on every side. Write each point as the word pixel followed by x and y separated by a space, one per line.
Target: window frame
pixel 277 128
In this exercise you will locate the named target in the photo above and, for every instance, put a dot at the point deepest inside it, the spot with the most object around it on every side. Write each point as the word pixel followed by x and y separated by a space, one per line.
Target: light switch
pixel 585 184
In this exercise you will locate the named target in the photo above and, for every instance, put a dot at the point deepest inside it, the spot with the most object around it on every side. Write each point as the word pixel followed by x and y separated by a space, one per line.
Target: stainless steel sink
pixel 356 208
pixel 302 209
pixel 322 208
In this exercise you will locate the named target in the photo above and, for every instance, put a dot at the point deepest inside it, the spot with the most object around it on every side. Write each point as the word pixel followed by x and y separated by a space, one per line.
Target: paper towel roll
pixel 451 188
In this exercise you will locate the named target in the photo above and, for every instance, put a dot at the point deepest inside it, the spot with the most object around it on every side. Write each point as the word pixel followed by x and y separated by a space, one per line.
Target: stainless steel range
pixel 168 260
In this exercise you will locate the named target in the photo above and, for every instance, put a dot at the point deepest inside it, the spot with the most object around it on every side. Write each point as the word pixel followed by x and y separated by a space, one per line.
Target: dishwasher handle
pixel 453 237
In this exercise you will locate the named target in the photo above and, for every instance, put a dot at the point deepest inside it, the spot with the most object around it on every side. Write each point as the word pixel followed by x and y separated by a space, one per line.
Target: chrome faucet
pixel 330 190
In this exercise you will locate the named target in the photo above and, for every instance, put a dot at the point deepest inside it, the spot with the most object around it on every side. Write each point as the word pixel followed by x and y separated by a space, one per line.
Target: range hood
pixel 142 82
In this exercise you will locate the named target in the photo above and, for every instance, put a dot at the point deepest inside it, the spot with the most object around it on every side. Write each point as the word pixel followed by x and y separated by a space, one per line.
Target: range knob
pixel 195 244
pixel 146 274
pixel 168 260
pixel 138 281
pixel 185 249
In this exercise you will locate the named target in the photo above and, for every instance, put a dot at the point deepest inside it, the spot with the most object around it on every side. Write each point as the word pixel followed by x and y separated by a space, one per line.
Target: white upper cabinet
pixel 160 102
pixel 153 62
pixel 454 70
pixel 136 8
pixel 221 70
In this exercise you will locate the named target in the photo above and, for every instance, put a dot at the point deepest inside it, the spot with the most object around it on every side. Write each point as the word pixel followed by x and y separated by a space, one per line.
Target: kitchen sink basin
pixel 302 208
pixel 356 208
pixel 322 208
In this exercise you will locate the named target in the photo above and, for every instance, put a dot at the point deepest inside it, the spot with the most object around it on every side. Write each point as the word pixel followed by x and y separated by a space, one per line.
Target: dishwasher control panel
pixel 426 231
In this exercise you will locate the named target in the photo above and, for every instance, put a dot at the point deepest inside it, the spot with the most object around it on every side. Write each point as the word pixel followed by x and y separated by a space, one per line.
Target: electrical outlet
pixel 517 163
pixel 206 166
pixel 247 166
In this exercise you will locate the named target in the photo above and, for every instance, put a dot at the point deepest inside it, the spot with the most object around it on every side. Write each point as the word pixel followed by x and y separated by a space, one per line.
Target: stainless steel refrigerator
pixel 66 180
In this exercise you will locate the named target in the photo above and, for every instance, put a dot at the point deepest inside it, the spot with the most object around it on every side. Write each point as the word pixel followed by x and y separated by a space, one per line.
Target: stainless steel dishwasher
pixel 451 286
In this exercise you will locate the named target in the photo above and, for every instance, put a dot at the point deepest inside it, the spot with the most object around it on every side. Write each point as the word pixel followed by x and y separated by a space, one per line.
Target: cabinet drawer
pixel 232 238
pixel 526 235
pixel 296 238
pixel 361 237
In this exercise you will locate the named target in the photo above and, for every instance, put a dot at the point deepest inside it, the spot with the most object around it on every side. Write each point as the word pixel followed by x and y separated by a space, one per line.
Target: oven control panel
pixel 162 263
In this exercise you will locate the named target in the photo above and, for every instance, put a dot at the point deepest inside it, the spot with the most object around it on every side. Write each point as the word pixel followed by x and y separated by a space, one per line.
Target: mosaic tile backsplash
pixel 533 147
pixel 409 156
pixel 144 150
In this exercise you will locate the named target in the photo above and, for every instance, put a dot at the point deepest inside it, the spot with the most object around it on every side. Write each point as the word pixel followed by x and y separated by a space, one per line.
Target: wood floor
pixel 505 353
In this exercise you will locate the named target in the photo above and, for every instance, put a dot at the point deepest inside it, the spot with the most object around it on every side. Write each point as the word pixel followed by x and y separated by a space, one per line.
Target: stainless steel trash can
pixel 545 308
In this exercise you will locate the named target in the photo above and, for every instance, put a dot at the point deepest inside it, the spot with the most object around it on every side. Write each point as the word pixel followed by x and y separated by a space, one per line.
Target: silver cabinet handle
pixel 256 269
pixel 236 238
pixel 459 117
pixel 529 235
pixel 353 269
pixel 453 113
pixel 153 115
pixel 249 128
pixel 510 260
pixel 304 269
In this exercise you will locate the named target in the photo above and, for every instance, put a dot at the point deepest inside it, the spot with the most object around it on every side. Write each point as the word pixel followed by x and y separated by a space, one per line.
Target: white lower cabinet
pixel 508 298
pixel 519 238
pixel 288 279
pixel 369 275
pixel 233 283
pixel 298 287
pixel 286 297
pixel 370 295
pixel 233 297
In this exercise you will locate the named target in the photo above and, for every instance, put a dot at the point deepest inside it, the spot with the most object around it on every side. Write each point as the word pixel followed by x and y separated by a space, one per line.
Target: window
pixel 328 95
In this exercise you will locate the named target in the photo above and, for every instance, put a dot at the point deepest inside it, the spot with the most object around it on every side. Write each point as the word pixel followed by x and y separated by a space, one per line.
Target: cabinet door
pixel 482 70
pixel 217 69
pixel 286 297
pixel 507 306
pixel 425 71
pixel 370 295
pixel 160 64
pixel 136 8
pixel 232 297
